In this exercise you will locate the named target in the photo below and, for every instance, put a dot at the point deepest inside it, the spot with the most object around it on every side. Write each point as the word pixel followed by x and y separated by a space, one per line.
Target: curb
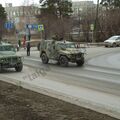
pixel 68 98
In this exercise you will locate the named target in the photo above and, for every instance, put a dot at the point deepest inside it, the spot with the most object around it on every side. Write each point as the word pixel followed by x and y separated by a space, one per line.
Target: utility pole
pixel 79 19
pixel 96 21
pixel 28 35
pixel 79 23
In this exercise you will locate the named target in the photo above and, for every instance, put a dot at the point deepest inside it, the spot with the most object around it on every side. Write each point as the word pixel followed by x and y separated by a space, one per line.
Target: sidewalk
pixel 34 53
pixel 18 104
pixel 32 79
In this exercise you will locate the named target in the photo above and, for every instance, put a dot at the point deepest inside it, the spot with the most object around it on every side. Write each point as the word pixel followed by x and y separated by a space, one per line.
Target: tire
pixel 19 67
pixel 114 45
pixel 44 58
pixel 63 60
pixel 80 62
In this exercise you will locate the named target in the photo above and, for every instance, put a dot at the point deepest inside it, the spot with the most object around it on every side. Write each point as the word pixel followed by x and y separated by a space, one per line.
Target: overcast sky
pixel 21 2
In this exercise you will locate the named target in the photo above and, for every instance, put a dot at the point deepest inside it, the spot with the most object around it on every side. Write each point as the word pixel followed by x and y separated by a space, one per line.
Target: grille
pixel 78 55
pixel 11 59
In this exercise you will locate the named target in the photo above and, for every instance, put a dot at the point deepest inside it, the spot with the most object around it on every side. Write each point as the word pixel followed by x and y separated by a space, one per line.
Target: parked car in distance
pixel 113 41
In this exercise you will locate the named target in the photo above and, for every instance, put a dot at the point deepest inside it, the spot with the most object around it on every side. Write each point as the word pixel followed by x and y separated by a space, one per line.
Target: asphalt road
pixel 96 85
pixel 101 68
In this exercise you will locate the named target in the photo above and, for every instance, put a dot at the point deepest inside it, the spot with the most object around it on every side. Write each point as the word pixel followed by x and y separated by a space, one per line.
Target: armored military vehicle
pixel 61 51
pixel 9 58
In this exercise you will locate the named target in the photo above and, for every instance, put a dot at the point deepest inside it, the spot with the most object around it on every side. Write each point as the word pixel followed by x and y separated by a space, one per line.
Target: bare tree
pixel 110 22
pixel 109 18
pixel 2 20
pixel 55 17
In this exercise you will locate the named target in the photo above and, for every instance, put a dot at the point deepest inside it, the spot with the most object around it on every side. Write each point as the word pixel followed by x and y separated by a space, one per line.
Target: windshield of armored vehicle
pixel 7 48
pixel 67 45
pixel 70 45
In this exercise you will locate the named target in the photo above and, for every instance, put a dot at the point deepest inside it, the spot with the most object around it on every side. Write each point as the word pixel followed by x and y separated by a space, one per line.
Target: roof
pixel 64 41
pixel 116 36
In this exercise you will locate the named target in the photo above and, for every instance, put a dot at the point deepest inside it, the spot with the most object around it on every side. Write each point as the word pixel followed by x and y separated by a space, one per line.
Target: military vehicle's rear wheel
pixel 80 62
pixel 44 58
pixel 63 61
pixel 19 67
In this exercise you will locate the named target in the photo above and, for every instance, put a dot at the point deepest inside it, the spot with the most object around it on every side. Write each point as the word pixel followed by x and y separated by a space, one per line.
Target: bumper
pixel 8 65
pixel 75 58
pixel 108 44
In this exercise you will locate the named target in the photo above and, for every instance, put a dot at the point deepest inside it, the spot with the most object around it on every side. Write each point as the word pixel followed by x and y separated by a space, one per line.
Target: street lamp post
pixel 79 15
pixel 96 20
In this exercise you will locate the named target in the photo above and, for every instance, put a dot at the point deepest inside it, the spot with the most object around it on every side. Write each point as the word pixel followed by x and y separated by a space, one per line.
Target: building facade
pixel 79 6
pixel 22 15
pixel 83 11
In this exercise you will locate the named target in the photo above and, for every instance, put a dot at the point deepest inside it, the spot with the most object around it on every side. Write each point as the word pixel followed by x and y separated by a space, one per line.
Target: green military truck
pixel 61 51
pixel 9 58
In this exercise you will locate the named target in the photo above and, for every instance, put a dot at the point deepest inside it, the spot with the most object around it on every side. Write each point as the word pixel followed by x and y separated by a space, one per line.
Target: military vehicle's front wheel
pixel 44 58
pixel 63 61
pixel 80 62
pixel 19 67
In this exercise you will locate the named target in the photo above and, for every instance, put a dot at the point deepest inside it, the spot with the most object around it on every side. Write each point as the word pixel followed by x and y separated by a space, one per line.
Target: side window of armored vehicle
pixel 45 45
pixel 57 46
pixel 48 45
pixel 41 46
pixel 62 46
pixel 53 45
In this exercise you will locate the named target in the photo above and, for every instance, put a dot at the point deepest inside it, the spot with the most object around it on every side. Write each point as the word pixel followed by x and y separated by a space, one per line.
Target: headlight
pixel 2 60
pixel 82 55
pixel 83 50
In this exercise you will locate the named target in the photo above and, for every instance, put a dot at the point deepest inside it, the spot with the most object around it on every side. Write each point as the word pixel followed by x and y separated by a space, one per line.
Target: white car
pixel 113 41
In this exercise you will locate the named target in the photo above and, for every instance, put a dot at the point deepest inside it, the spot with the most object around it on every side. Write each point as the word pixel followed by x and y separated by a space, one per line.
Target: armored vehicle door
pixel 51 50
